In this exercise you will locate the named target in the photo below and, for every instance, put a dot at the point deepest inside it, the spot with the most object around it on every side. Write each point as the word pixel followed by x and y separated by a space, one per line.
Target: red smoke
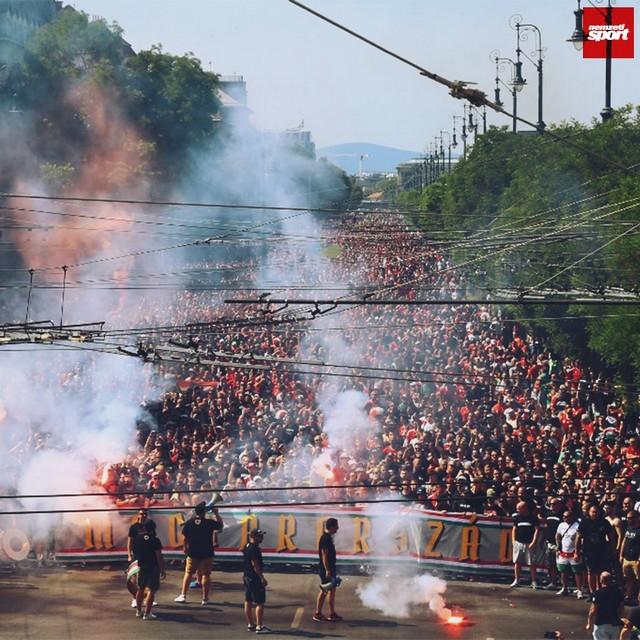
pixel 115 163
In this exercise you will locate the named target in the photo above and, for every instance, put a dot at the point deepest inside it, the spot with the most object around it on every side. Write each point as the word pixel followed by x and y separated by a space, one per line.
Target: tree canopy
pixel 567 209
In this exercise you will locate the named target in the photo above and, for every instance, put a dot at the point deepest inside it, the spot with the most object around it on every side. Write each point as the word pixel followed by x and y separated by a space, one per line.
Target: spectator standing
pixel 595 543
pixel 605 613
pixel 553 518
pixel 568 558
pixel 142 519
pixel 327 567
pixel 630 555
pixel 524 537
pixel 255 583
pixel 147 550
pixel 199 532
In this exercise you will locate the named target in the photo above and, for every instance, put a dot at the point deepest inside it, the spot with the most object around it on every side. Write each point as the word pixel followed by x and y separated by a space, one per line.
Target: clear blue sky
pixel 299 68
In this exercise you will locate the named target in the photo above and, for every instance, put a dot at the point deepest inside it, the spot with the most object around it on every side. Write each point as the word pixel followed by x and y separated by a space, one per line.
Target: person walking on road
pixel 605 614
pixel 147 550
pixel 329 581
pixel 255 583
pixel 199 532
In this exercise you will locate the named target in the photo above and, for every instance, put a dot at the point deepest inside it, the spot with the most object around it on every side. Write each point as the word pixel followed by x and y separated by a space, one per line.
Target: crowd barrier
pixel 452 542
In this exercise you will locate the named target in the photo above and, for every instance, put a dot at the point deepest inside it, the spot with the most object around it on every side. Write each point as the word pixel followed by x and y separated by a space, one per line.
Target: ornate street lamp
pixel 521 29
pixel 512 87
pixel 578 38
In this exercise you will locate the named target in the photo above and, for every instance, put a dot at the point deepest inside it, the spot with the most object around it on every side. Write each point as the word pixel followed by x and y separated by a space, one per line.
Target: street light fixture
pixel 449 145
pixel 511 87
pixel 463 134
pixel 579 37
pixel 521 27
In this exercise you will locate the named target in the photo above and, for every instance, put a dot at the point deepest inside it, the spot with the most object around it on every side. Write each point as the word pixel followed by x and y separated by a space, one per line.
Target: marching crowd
pixel 468 411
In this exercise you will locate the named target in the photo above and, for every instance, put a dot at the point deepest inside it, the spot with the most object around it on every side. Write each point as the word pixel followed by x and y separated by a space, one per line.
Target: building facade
pixel 18 20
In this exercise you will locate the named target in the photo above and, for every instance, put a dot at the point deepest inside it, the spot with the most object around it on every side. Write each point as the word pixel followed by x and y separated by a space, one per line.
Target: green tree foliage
pixel 558 204
pixel 78 70
pixel 172 99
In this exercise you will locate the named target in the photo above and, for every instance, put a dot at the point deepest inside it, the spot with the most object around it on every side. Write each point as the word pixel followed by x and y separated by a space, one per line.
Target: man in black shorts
pixel 147 550
pixel 132 574
pixel 254 583
pixel 595 542
pixel 327 572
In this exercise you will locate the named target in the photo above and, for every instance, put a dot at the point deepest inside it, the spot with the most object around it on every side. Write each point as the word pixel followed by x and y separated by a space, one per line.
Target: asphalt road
pixel 88 603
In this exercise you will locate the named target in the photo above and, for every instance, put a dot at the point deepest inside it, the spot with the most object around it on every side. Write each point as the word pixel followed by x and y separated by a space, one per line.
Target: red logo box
pixel 598 32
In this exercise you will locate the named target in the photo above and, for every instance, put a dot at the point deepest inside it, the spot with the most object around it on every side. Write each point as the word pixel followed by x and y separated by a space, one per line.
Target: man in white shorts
pixel 567 559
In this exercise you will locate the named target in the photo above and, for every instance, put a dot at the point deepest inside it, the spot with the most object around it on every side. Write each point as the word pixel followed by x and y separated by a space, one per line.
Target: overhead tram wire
pixel 459 90
pixel 199 242
pixel 472 261
pixel 461 244
pixel 583 258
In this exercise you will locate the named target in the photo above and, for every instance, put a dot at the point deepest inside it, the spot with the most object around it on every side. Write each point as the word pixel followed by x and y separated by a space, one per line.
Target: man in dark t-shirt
pixel 605 613
pixel 327 572
pixel 596 544
pixel 141 520
pixel 147 550
pixel 524 537
pixel 254 582
pixel 198 535
pixel 135 529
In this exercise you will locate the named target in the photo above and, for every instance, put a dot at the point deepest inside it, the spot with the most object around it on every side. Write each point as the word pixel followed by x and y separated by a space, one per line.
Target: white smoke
pixel 395 596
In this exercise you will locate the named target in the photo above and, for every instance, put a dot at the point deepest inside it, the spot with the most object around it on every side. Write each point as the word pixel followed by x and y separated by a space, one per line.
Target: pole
pixel 541 124
pixel 449 158
pixel 484 119
pixel 607 112
pixel 514 93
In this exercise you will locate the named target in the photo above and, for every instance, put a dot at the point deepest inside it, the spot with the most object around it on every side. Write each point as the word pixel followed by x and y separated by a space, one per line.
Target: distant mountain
pixel 381 159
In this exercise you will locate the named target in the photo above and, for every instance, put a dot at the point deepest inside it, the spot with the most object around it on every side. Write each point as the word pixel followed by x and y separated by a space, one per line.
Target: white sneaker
pixel 579 594
pixel 138 614
pixel 134 604
pixel 563 592
pixel 513 584
pixel 205 601
pixel 180 598
pixel 534 585
pixel 155 604
pixel 149 616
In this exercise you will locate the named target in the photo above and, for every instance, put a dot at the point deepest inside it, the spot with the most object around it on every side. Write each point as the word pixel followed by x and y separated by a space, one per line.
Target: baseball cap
pixel 257 532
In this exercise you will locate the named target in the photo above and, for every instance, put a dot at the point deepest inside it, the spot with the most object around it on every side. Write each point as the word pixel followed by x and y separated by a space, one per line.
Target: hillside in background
pixel 381 159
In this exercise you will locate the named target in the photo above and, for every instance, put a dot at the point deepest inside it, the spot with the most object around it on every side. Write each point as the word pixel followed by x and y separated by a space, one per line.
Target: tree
pixel 173 100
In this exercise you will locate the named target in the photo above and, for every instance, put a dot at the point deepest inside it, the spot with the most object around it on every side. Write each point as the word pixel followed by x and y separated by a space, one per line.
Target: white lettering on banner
pixel 598 32
pixel 15 544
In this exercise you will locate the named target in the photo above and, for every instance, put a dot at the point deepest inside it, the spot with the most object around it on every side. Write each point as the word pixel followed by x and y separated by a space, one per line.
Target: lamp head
pixel 578 37
pixel 518 80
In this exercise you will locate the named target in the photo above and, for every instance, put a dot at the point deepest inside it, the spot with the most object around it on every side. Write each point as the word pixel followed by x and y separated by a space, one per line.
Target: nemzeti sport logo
pixel 600 29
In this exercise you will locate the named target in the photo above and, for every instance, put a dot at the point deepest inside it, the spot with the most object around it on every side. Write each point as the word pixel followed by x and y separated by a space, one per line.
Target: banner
pixel 429 538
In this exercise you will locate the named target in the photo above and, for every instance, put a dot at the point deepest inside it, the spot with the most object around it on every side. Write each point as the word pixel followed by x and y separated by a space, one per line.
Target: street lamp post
pixel 449 145
pixel 463 134
pixel 525 26
pixel 513 89
pixel 578 38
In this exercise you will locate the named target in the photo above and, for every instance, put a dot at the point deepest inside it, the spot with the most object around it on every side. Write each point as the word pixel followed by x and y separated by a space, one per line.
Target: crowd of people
pixel 466 411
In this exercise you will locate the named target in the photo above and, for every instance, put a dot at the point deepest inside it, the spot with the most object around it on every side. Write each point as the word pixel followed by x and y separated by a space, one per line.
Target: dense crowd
pixel 467 411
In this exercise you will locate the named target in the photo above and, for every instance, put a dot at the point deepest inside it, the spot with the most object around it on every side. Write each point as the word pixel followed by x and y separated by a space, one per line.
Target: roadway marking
pixel 297 618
